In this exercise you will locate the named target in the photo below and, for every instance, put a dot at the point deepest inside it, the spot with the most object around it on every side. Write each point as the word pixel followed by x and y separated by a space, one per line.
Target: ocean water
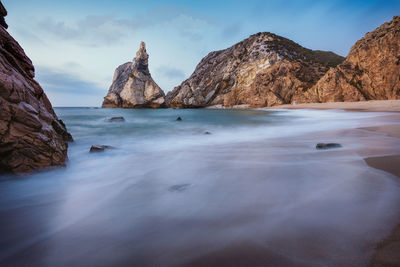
pixel 255 190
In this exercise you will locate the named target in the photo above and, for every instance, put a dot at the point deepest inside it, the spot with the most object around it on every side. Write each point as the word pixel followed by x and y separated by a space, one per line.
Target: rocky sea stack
pixel 371 71
pixel 262 70
pixel 132 85
pixel 31 135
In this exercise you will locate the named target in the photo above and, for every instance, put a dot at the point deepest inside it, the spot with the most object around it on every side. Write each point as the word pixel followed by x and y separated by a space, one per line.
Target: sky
pixel 76 45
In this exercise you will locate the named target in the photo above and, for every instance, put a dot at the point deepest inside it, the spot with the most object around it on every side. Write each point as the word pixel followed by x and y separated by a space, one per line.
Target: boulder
pixel 99 148
pixel 327 145
pixel 118 119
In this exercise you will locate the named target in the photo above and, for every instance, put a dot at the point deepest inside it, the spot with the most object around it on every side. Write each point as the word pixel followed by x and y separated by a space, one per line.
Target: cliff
pixel 132 85
pixel 262 70
pixel 371 70
pixel 31 135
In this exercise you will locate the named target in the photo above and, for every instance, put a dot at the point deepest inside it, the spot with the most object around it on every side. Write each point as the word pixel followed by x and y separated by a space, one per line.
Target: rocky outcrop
pixel 263 70
pixel 132 85
pixel 31 135
pixel 371 71
pixel 3 13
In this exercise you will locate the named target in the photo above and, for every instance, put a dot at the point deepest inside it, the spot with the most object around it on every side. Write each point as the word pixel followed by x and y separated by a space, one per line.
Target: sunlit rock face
pixel 262 70
pixel 132 85
pixel 31 135
pixel 371 71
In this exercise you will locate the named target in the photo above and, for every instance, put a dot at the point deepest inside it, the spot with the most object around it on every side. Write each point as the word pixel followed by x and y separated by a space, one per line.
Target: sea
pixel 218 188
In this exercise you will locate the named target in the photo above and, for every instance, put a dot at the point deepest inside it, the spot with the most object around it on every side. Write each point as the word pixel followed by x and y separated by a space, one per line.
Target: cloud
pixel 93 30
pixel 190 27
pixel 170 72
pixel 57 81
pixel 108 29
pixel 231 30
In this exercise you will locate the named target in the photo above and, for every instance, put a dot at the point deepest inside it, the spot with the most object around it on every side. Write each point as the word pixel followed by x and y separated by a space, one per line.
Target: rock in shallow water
pixel 99 148
pixel 113 119
pixel 179 187
pixel 179 119
pixel 327 145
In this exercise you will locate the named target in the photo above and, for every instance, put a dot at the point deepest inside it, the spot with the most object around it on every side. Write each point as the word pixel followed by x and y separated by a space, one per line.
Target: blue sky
pixel 76 45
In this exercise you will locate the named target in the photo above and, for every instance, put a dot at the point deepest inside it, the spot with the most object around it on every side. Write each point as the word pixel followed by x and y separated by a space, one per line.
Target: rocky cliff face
pixel 31 135
pixel 371 71
pixel 132 85
pixel 263 70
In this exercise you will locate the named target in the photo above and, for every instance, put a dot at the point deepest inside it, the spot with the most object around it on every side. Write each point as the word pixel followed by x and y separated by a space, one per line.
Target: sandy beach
pixel 387 251
pixel 373 105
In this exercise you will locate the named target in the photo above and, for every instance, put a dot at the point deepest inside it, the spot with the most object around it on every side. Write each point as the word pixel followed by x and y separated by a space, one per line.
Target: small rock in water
pixel 116 119
pixel 207 132
pixel 178 187
pixel 99 148
pixel 179 119
pixel 327 145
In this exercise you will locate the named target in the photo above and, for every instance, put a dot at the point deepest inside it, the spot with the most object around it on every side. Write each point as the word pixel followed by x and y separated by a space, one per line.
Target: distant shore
pixel 372 105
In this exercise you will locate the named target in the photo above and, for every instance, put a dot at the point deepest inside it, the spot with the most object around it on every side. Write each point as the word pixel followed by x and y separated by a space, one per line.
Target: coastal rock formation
pixel 371 71
pixel 262 70
pixel 31 135
pixel 132 85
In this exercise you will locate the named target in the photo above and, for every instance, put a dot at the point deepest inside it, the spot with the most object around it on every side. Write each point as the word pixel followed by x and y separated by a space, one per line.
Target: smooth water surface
pixel 255 189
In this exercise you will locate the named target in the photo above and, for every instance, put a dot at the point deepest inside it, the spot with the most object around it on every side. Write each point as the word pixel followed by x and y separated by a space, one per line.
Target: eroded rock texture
pixel 31 135
pixel 371 71
pixel 132 85
pixel 263 70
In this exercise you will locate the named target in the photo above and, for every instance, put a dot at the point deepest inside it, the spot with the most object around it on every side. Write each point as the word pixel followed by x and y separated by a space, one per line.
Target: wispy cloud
pixel 231 30
pixel 60 81
pixel 170 72
pixel 92 30
pixel 108 29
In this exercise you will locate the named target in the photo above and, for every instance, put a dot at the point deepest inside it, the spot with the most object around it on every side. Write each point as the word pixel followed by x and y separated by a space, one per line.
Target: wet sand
pixel 388 250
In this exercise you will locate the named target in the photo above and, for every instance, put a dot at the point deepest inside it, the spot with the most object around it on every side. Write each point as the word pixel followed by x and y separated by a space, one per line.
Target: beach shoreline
pixel 372 105
pixel 296 202
pixel 387 251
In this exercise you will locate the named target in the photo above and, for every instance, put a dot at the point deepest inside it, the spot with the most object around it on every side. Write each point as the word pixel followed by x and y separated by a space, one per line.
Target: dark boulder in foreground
pixel 99 148
pixel 113 119
pixel 31 135
pixel 327 145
